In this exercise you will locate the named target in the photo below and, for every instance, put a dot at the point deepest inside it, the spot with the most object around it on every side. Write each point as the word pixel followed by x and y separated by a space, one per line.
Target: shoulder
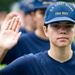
pixel 31 58
pixel 22 30
pixel 27 35
pixel 24 61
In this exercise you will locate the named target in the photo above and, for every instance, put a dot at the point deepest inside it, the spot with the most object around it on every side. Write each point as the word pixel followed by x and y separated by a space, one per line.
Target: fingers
pixel 9 17
pixel 18 26
pixel 13 24
pixel 17 37
pixel 7 25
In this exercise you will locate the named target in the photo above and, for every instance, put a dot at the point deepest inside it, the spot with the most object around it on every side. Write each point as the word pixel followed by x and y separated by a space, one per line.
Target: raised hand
pixel 9 17
pixel 9 34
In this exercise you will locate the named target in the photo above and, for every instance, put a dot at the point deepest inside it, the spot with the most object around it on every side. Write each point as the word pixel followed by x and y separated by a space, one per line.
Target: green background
pixel 5 4
pixel 2 66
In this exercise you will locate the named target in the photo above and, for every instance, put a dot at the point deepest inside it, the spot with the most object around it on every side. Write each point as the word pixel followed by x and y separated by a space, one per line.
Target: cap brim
pixel 59 19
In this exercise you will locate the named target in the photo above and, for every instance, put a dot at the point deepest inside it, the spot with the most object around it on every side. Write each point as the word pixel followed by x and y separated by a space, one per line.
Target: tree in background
pixel 5 4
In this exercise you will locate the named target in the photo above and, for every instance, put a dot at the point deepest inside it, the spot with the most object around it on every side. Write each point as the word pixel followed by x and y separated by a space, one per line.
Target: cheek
pixel 29 18
pixel 71 32
pixel 39 17
pixel 52 34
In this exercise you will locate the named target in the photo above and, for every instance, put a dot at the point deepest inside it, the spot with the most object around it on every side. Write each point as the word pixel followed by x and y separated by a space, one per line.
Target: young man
pixel 27 14
pixel 59 59
pixel 31 42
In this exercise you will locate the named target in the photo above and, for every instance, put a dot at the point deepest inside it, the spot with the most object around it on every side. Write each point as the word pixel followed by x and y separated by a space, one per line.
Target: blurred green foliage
pixel 5 4
pixel 2 66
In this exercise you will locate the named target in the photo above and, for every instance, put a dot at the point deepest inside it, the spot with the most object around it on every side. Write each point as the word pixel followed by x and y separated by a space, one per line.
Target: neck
pixel 40 34
pixel 61 54
pixel 29 29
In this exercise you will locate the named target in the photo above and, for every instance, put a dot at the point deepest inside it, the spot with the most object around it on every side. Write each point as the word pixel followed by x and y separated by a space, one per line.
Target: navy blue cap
pixel 30 5
pixel 26 5
pixel 59 11
pixel 39 4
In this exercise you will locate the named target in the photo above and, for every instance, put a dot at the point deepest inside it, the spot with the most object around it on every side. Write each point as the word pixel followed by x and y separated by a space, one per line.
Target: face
pixel 29 19
pixel 39 18
pixel 60 34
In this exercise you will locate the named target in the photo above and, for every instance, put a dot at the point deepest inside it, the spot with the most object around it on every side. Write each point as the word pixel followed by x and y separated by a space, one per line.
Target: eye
pixel 56 26
pixel 69 26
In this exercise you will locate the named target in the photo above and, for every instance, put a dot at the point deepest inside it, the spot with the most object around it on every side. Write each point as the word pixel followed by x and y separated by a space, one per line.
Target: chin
pixel 63 45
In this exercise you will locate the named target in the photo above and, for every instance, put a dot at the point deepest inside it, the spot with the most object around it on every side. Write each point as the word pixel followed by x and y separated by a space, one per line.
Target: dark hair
pixel 46 25
pixel 58 22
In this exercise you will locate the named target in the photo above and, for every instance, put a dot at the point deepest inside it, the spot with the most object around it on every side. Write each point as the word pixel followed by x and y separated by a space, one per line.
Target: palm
pixel 9 35
pixel 7 38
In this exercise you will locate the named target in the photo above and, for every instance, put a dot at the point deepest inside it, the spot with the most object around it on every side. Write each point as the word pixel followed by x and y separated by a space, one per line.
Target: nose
pixel 62 30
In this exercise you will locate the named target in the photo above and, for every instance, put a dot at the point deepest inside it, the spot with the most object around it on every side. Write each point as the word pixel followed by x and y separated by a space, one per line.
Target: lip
pixel 62 38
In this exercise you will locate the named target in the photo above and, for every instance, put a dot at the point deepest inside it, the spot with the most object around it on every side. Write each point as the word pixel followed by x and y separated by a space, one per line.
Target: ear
pixel 45 29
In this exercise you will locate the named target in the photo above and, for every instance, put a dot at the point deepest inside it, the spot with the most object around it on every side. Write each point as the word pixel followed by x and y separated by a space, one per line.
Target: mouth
pixel 62 38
